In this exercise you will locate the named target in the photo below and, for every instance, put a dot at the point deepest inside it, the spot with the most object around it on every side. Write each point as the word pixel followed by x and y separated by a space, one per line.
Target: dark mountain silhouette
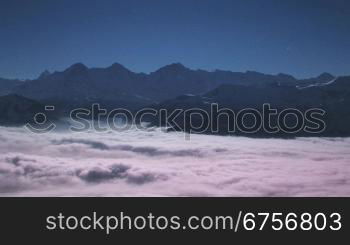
pixel 80 86
pixel 239 96
pixel 322 78
pixel 176 86
pixel 16 110
pixel 44 74
pixel 7 85
pixel 117 86
pixel 333 97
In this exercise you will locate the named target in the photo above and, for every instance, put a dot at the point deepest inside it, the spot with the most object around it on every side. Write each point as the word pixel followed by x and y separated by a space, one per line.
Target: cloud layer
pixel 154 163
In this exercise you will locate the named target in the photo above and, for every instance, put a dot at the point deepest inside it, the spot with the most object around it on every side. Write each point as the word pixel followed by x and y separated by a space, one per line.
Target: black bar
pixel 25 219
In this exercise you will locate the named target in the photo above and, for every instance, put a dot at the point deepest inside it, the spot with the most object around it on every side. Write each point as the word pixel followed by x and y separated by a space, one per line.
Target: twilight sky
pixel 302 38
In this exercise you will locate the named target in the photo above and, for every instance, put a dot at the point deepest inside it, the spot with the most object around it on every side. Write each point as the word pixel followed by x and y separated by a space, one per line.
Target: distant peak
pixel 286 76
pixel 118 67
pixel 326 76
pixel 176 64
pixel 78 67
pixel 173 67
pixel 44 74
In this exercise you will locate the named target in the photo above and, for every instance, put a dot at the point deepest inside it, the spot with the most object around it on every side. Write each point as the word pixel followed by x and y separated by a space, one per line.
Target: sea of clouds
pixel 154 163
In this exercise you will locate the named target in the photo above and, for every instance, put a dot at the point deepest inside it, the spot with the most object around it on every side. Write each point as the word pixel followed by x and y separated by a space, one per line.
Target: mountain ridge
pixel 79 85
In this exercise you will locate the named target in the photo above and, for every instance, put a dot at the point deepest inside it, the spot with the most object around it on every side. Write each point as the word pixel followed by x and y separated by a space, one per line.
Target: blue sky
pixel 301 38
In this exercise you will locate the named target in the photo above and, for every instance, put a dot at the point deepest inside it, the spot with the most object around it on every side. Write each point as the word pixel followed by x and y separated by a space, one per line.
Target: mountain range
pixel 333 97
pixel 118 86
pixel 176 86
